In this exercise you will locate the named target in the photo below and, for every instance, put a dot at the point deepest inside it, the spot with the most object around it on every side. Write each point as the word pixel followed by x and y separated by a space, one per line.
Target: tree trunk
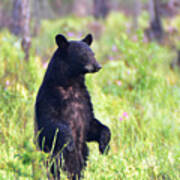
pixel 80 7
pixel 36 17
pixel 155 31
pixel 57 6
pixel 26 42
pixel 136 12
pixel 16 17
pixel 101 8
pixel 21 23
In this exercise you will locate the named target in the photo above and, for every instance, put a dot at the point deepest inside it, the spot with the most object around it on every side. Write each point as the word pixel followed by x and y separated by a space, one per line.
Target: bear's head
pixel 78 54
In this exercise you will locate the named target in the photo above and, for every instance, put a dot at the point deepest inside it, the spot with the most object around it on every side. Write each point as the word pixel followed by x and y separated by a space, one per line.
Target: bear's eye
pixel 83 57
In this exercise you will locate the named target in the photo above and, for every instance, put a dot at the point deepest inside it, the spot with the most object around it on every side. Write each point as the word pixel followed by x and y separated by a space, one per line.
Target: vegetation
pixel 136 94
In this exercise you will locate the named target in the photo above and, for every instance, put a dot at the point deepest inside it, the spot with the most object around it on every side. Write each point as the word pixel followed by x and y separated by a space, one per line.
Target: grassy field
pixel 136 94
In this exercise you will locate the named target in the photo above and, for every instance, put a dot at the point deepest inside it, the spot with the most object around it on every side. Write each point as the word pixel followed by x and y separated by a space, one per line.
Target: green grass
pixel 135 94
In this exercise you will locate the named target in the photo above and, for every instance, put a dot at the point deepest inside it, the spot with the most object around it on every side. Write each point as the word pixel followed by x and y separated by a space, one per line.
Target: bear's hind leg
pixel 53 168
pixel 75 162
pixel 74 177
pixel 54 137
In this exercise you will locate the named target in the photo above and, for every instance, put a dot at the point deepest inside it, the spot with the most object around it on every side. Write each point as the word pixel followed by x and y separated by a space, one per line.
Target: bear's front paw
pixel 104 141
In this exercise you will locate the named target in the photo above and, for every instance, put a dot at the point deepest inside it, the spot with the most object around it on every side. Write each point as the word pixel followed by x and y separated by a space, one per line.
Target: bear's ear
pixel 88 39
pixel 61 41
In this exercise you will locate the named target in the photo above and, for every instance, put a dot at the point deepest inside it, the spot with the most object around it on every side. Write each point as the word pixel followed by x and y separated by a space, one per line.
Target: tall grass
pixel 135 94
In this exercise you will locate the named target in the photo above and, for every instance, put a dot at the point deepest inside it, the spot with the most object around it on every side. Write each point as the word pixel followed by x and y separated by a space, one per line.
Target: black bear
pixel 64 118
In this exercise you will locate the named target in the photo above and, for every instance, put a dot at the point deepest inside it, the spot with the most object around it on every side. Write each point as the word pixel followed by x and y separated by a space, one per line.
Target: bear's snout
pixel 97 67
pixel 93 67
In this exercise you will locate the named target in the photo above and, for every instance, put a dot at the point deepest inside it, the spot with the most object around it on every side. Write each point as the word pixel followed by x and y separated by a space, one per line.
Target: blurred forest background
pixel 23 17
pixel 137 93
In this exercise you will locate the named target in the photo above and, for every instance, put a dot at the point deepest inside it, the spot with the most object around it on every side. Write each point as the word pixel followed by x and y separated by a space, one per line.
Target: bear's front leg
pixel 99 133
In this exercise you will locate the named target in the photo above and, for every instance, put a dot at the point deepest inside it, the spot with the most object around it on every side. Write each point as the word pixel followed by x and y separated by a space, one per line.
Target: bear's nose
pixel 98 67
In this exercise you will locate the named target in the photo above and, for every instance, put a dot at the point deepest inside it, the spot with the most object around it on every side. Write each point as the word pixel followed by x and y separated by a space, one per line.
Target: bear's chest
pixel 76 107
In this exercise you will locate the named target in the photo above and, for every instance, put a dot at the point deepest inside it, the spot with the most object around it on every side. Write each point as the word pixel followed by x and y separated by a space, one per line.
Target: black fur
pixel 63 107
